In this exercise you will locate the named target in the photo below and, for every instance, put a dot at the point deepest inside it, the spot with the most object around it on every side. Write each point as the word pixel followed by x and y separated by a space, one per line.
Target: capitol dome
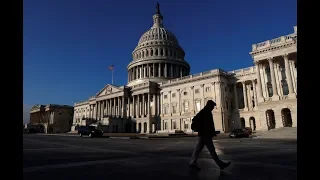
pixel 158 55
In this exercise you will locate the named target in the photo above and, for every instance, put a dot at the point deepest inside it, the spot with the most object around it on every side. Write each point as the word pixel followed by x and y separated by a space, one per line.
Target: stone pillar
pixel 178 104
pixel 245 99
pixel 170 105
pixel 202 99
pixel 149 70
pixel 154 101
pixel 129 106
pixel 138 106
pixel 218 94
pixel 165 70
pixel 118 108
pixel 275 95
pixel 153 70
pixel 191 105
pixel 159 69
pixel 259 88
pixel 288 76
pixel 134 106
pixel 148 106
pixel 143 105
pixel 254 95
pixel 171 70
pixel 124 107
pixel 159 104
pixel 235 96
pixel 114 107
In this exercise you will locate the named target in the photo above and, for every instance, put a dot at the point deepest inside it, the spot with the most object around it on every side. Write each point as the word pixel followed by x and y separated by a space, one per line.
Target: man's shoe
pixel 194 166
pixel 224 165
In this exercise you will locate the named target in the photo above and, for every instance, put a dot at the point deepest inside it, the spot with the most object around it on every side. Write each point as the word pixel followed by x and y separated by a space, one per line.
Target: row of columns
pixel 273 79
pixel 247 96
pixel 153 52
pixel 155 70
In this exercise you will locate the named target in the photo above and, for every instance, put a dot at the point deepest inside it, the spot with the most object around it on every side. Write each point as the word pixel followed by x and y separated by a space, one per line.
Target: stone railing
pixel 274 42
pixel 244 71
pixel 140 85
pixel 81 103
pixel 202 74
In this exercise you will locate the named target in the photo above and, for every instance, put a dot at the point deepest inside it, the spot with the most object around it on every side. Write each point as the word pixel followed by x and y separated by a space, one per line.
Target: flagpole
pixel 112 75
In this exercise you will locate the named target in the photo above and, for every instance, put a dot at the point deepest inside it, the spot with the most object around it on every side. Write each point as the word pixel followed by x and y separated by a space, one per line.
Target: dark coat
pixel 206 124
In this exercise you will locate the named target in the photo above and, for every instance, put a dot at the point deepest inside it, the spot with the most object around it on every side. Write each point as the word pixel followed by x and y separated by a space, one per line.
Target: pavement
pixel 70 157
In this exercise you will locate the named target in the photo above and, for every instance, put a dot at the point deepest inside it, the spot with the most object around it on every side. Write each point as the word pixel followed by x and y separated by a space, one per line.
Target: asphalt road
pixel 66 157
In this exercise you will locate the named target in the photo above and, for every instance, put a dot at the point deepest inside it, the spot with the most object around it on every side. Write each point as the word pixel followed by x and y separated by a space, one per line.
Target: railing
pixel 244 71
pixel 205 73
pixel 140 85
pixel 274 42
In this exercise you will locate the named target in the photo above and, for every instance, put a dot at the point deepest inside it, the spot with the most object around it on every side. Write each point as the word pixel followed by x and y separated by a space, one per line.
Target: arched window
pixel 285 87
pixel 151 52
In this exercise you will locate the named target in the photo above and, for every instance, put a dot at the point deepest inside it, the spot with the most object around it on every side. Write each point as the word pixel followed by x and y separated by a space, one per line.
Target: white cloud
pixel 26 113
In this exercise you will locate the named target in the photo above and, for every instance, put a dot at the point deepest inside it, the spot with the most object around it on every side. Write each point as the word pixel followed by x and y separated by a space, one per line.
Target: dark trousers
pixel 204 141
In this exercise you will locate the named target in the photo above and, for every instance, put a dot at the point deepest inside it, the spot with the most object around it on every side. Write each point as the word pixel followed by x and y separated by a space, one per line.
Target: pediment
pixel 109 89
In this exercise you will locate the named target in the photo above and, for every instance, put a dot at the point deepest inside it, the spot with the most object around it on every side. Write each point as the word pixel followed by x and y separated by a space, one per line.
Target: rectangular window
pixel 208 89
pixel 186 126
pixel 186 107
pixel 196 91
pixel 174 125
pixel 174 95
pixel 174 109
pixel 198 106
pixel 164 96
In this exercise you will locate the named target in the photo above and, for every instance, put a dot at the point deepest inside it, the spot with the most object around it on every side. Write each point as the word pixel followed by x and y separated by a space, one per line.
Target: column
pixel 245 96
pixel 170 105
pixel 153 70
pixel 143 105
pixel 118 109
pixel 134 106
pixel 171 70
pixel 165 70
pixel 202 99
pixel 159 104
pixel 124 108
pixel 114 107
pixel 148 106
pixel 288 76
pixel 154 101
pixel 159 69
pixel 259 88
pixel 275 95
pixel 138 106
pixel 191 105
pixel 98 109
pixel 235 96
pixel 178 104
pixel 149 70
pixel 218 94
pixel 180 72
pixel 254 94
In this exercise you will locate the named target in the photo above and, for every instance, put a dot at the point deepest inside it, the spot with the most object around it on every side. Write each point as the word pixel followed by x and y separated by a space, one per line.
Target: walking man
pixel 204 125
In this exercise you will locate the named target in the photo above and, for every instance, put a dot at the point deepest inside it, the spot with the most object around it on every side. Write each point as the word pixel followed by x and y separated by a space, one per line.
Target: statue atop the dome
pixel 158 8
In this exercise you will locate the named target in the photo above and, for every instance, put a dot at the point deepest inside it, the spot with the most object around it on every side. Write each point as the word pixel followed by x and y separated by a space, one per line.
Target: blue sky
pixel 69 44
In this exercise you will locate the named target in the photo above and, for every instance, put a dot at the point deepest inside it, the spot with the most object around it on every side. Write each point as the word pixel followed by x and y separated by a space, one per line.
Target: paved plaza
pixel 69 157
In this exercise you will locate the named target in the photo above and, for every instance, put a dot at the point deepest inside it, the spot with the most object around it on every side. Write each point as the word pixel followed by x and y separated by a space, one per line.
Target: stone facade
pixel 54 118
pixel 161 96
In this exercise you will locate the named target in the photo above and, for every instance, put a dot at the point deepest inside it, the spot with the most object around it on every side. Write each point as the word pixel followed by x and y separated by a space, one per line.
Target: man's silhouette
pixel 204 124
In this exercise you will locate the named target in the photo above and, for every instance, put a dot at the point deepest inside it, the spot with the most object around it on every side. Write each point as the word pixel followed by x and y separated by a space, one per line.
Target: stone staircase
pixel 279 133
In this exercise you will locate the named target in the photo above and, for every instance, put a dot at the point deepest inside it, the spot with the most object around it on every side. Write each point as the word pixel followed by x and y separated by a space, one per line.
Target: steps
pixel 279 133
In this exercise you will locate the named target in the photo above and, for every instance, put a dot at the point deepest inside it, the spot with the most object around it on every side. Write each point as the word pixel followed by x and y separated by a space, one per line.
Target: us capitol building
pixel 162 97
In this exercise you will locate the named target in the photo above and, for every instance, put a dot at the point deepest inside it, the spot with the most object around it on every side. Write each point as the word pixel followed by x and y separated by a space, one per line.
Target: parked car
pixel 90 131
pixel 239 133
pixel 249 130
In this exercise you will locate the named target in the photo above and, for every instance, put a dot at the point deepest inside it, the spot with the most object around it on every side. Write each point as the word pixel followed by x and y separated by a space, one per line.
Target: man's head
pixel 210 105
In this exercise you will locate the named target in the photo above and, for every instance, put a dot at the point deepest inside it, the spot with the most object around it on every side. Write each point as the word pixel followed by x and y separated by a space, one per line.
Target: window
pixel 165 125
pixel 270 92
pixel 196 91
pixel 208 89
pixel 186 106
pixel 174 95
pixel 174 125
pixel 198 106
pixel 165 109
pixel 164 96
pixel 174 109
pixel 285 87
pixel 185 93
pixel 186 126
